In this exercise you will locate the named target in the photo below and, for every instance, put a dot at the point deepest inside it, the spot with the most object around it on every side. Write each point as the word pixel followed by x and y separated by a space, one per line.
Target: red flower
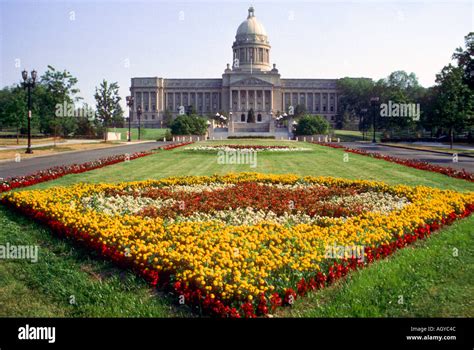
pixel 290 297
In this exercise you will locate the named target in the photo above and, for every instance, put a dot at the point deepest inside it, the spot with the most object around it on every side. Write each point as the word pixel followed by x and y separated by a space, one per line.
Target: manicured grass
pixel 355 135
pixel 322 161
pixel 145 134
pixel 69 281
pixel 430 278
pixel 432 282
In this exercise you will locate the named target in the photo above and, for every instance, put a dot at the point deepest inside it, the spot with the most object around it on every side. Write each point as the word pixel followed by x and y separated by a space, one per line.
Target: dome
pixel 251 26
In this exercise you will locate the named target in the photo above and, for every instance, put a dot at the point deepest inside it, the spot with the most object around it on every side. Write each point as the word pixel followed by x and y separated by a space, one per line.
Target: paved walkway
pixel 32 165
pixel 441 159
pixel 46 144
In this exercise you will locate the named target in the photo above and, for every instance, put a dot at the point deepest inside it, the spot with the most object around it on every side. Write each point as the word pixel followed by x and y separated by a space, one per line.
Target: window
pixel 332 108
pixel 324 108
pixel 153 116
pixel 259 117
pixel 242 117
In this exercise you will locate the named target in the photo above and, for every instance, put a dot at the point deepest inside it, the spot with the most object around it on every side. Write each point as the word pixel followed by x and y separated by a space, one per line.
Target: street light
pixel 139 114
pixel 364 113
pixel 28 84
pixel 374 102
pixel 130 100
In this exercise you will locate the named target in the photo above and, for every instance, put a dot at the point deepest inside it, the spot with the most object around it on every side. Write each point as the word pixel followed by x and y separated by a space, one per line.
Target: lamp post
pixel 364 113
pixel 139 114
pixel 28 84
pixel 130 100
pixel 373 102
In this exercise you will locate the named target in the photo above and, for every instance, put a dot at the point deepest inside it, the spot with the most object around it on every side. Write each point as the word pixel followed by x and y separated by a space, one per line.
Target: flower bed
pixel 249 148
pixel 60 171
pixel 243 244
pixel 412 163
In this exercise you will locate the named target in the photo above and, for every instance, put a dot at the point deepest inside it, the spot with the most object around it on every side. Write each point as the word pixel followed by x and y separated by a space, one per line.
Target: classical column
pixel 149 100
pixel 255 100
pixel 320 102
pixel 230 99
pixel 335 103
pixel 162 102
pixel 246 100
pixel 314 102
pixel 239 105
pixel 328 103
pixel 263 100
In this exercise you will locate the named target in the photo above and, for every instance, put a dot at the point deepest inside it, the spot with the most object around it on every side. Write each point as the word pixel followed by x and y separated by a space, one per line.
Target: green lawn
pixel 145 134
pixel 354 135
pixel 432 281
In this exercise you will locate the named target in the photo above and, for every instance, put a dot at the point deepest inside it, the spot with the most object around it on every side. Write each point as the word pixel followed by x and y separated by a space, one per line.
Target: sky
pixel 117 40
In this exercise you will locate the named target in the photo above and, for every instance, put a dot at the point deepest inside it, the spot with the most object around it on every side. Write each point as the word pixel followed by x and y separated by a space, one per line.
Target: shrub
pixel 312 125
pixel 188 125
pixel 168 136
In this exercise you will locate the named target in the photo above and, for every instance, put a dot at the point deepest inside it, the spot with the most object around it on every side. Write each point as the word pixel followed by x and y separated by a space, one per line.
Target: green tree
pixel 312 125
pixel 13 109
pixel 117 117
pixel 55 88
pixel 465 60
pixel 188 125
pixel 107 103
pixel 454 101
pixel 167 118
pixel 354 99
pixel 300 110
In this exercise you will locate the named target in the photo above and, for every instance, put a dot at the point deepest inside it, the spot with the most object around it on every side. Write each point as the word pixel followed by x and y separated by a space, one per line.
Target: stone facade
pixel 250 83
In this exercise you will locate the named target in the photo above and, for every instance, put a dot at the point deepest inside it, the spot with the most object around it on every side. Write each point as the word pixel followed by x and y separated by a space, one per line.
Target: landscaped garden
pixel 309 229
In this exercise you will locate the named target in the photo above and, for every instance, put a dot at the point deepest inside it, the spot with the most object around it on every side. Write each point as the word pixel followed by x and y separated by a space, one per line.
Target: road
pixel 440 159
pixel 32 165
pixel 47 144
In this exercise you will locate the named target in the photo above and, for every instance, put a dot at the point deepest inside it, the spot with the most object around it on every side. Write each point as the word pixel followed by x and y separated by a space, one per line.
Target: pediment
pixel 251 82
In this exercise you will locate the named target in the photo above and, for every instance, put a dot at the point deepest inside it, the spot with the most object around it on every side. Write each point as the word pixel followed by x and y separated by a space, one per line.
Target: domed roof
pixel 251 26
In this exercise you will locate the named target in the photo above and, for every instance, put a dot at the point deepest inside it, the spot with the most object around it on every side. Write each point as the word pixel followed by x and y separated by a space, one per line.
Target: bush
pixel 312 125
pixel 188 125
pixel 168 136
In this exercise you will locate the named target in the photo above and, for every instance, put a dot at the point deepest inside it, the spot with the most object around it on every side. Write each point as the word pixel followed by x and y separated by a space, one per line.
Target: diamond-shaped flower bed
pixel 243 244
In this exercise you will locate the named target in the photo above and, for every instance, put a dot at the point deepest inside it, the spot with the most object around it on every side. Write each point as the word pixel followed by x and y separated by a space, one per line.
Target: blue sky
pixel 117 40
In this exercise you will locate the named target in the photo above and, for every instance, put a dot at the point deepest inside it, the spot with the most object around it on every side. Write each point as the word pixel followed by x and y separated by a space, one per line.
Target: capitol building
pixel 251 82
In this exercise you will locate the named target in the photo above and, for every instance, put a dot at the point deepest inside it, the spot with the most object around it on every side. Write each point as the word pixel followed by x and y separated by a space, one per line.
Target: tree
pixel 55 88
pixel 117 117
pixel 312 125
pixel 190 110
pixel 465 60
pixel 13 108
pixel 454 101
pixel 107 103
pixel 355 97
pixel 188 125
pixel 300 110
pixel 167 118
